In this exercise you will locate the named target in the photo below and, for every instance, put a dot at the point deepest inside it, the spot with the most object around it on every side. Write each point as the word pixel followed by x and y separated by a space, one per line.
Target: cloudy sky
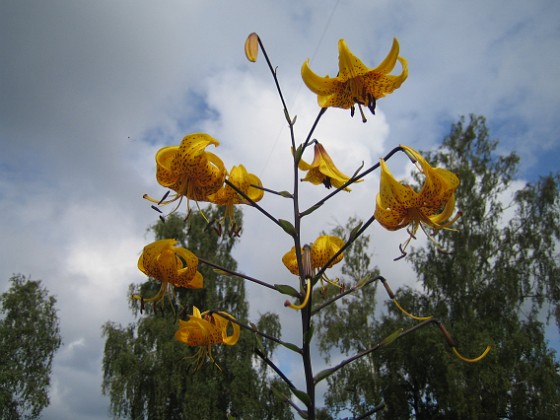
pixel 90 90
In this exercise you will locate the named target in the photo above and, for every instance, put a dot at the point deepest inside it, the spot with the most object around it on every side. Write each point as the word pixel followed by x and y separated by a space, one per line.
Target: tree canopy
pixel 493 280
pixel 149 374
pixel 29 338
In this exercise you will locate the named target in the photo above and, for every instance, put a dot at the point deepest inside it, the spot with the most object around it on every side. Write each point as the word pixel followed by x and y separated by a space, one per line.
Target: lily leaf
pixel 303 397
pixel 354 232
pixel 278 393
pixel 363 281
pixel 287 226
pixel 299 152
pixel 323 374
pixel 310 210
pixel 286 194
pixel 390 338
pixel 258 340
pixel 287 290
pixel 291 346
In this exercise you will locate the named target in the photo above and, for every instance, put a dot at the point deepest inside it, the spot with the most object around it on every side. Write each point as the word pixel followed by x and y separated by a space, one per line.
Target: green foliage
pixel 491 284
pixel 29 337
pixel 347 326
pixel 149 374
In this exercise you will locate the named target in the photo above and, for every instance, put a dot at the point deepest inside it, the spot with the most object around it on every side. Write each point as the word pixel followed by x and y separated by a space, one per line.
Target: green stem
pixel 249 328
pixel 251 202
pixel 236 274
pixel 354 179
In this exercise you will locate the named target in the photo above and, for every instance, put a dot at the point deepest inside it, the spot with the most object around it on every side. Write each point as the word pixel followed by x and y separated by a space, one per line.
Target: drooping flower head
pixel 323 170
pixel 245 182
pixel 169 264
pixel 189 170
pixel 398 205
pixel 322 250
pixel 355 82
pixel 205 330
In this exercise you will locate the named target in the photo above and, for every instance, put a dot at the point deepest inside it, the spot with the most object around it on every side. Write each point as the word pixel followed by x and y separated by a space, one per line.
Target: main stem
pixel 306 311
pixel 306 354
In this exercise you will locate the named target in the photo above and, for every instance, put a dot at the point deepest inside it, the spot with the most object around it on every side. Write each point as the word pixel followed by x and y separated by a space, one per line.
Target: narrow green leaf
pixel 364 280
pixel 287 290
pixel 287 117
pixel 287 226
pixel 311 210
pixel 299 152
pixel 303 397
pixel 286 194
pixel 258 340
pixel 390 338
pixel 291 347
pixel 278 393
pixel 323 374
pixel 354 232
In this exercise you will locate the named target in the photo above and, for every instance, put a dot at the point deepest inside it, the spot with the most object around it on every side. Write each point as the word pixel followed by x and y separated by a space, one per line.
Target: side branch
pixel 351 239
pixel 395 336
pixel 251 202
pixel 236 274
pixel 254 330
pixel 355 178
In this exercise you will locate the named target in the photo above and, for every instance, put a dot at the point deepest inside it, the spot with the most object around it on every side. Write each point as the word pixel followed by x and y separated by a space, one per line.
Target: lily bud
pixel 252 47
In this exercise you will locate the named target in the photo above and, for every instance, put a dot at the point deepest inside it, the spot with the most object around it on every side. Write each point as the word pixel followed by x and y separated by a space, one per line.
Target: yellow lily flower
pixel 355 82
pixel 228 197
pixel 398 205
pixel 189 170
pixel 169 264
pixel 322 250
pixel 323 170
pixel 204 330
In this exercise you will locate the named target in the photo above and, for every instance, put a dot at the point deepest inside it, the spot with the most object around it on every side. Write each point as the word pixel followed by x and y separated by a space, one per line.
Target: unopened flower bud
pixel 252 47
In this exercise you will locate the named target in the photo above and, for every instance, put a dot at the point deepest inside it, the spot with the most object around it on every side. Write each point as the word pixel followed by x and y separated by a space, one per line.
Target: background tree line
pixel 495 280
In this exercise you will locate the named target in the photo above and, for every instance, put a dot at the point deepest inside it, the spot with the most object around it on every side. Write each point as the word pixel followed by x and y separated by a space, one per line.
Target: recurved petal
pixel 380 85
pixel 315 83
pixel 328 168
pixel 393 194
pixel 388 64
pixel 391 219
pixel 324 248
pixel 194 332
pixel 290 261
pixel 148 262
pixel 255 194
pixel 349 66
pixel 223 324
pixel 439 220
pixel 164 173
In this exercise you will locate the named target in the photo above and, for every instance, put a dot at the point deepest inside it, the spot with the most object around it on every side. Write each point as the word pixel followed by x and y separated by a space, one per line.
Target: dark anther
pixel 162 219
pixel 235 231
pixel 327 182
pixel 403 254
pixel 352 110
pixel 371 103
pixel 156 209
pixel 163 198
pixel 141 305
